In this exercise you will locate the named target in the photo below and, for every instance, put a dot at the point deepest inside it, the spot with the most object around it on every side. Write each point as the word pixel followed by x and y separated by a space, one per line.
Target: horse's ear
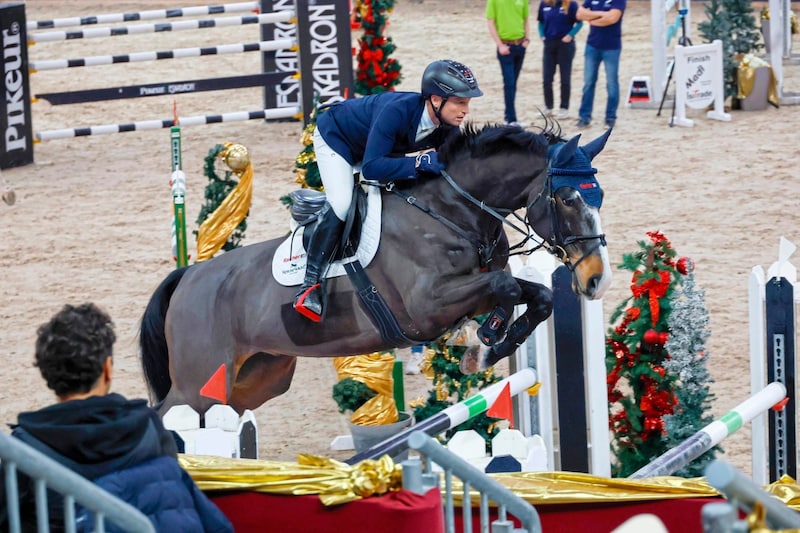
pixel 565 152
pixel 596 146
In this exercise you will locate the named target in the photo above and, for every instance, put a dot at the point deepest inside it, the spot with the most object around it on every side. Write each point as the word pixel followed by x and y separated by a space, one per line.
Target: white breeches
pixel 337 176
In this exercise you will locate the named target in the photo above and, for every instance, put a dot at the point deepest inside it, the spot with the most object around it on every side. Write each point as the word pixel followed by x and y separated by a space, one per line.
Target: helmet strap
pixel 438 112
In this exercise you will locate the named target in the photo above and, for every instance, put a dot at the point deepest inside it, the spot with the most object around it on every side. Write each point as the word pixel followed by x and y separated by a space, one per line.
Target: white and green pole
pixel 711 435
pixel 178 185
pixel 451 416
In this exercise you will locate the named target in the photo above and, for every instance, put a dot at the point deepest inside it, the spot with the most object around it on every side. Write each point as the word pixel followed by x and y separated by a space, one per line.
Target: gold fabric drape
pixel 746 79
pixel 333 481
pixel 337 482
pixel 374 370
pixel 220 224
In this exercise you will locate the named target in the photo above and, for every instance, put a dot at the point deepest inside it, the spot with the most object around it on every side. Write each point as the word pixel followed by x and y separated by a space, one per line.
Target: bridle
pixel 555 243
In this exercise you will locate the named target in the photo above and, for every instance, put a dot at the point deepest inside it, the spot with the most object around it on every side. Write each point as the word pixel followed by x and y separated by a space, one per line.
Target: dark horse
pixel 441 259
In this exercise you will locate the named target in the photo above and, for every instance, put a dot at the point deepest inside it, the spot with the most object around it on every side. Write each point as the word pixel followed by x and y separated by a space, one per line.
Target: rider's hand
pixel 429 162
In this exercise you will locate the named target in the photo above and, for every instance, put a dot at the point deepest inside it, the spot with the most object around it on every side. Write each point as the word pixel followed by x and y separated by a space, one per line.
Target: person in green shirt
pixel 509 29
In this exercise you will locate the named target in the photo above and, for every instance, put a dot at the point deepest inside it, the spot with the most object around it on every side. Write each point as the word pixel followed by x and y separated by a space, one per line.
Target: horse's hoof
pixel 471 361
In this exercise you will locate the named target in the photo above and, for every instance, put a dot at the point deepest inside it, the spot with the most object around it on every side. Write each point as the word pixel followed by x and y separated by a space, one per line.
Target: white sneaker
pixel 519 124
pixel 562 113
pixel 547 112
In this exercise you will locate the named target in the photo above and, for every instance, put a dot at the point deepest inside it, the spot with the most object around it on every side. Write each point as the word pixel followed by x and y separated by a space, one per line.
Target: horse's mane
pixel 490 139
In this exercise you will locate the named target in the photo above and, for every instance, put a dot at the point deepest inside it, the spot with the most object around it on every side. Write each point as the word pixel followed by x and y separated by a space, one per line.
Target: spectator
pixel 509 28
pixel 558 26
pixel 603 45
pixel 119 444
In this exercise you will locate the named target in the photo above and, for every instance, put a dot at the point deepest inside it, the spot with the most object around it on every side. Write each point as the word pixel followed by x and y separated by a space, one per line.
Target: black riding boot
pixel 309 300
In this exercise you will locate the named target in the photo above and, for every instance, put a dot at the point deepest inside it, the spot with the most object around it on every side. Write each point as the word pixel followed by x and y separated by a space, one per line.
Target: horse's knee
pixel 544 304
pixel 506 288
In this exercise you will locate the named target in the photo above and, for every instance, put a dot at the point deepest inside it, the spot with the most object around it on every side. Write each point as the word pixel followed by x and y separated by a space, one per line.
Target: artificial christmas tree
pixel 450 386
pixel 635 358
pixel 688 363
pixel 376 72
pixel 733 23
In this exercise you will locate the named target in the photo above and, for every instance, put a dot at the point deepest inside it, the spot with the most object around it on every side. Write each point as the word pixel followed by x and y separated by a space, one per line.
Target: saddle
pixel 360 237
pixel 307 203
pixel 359 243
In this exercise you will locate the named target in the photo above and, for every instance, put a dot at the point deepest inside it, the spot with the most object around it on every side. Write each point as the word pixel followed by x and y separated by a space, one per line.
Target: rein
pixel 485 251
pixel 555 244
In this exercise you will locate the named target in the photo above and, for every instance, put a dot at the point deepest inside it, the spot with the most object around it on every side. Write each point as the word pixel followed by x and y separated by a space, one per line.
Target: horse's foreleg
pixel 508 293
pixel 539 301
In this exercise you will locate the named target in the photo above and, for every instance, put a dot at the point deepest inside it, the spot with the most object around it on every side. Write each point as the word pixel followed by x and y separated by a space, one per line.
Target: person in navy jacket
pixel 375 133
pixel 121 445
pixel 557 28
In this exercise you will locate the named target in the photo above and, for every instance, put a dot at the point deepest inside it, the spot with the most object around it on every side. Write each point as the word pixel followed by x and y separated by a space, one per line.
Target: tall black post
pixel 15 105
pixel 570 375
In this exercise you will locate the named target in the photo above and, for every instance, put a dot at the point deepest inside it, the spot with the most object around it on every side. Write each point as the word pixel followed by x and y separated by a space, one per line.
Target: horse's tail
pixel 152 339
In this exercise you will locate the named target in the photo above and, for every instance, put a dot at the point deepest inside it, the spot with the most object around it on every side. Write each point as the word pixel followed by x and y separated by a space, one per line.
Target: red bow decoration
pixel 657 288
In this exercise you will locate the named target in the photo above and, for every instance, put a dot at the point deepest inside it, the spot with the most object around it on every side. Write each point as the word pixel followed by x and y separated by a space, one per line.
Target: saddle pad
pixel 289 261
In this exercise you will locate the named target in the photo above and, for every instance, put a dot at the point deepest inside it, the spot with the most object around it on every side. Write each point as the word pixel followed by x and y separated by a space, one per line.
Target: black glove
pixel 429 162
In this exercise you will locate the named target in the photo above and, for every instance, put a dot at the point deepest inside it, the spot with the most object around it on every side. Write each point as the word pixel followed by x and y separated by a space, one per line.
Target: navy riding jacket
pixel 377 131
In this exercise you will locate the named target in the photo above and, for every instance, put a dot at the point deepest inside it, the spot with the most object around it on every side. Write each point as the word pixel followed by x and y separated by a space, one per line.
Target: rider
pixel 369 132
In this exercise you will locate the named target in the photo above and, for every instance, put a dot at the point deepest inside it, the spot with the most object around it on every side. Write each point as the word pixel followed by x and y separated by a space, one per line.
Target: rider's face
pixel 453 111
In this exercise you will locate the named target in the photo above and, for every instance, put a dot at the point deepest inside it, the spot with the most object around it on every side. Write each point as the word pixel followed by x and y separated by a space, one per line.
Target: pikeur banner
pixel 15 110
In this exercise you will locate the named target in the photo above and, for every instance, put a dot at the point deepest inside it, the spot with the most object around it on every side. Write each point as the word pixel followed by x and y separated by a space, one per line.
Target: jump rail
pixel 142 15
pixel 263 46
pixel 138 29
pixel 306 55
pixel 284 112
pixel 452 416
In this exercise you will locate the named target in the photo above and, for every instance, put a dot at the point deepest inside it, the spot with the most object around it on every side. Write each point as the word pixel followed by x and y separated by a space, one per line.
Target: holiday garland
pixel 376 71
pixel 450 386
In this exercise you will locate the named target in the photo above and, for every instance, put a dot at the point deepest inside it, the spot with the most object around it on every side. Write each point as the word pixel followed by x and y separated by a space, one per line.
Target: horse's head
pixel 571 224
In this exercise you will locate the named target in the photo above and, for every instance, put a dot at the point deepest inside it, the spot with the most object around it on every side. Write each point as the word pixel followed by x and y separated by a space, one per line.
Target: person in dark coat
pixel 376 133
pixel 119 444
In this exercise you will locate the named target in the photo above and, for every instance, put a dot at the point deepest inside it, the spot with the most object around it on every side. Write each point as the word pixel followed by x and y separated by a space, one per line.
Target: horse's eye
pixel 568 201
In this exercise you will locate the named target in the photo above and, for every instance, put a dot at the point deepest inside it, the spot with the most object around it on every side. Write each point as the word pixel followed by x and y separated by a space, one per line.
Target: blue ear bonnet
pixel 578 174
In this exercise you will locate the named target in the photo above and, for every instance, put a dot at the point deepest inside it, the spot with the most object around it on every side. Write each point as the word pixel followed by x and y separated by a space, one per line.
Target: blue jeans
pixel 592 59
pixel 511 66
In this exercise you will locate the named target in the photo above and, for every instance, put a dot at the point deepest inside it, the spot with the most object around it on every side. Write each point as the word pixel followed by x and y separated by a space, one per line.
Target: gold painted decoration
pixel 215 230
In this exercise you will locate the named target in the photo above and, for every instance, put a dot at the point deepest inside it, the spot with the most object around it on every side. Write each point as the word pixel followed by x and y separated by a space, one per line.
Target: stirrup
pixel 300 308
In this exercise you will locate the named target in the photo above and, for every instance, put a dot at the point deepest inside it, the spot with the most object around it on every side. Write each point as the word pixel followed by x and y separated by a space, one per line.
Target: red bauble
pixel 652 336
pixel 685 265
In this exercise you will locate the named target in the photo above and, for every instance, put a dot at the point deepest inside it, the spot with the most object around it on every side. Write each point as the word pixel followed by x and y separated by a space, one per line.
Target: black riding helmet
pixel 448 78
